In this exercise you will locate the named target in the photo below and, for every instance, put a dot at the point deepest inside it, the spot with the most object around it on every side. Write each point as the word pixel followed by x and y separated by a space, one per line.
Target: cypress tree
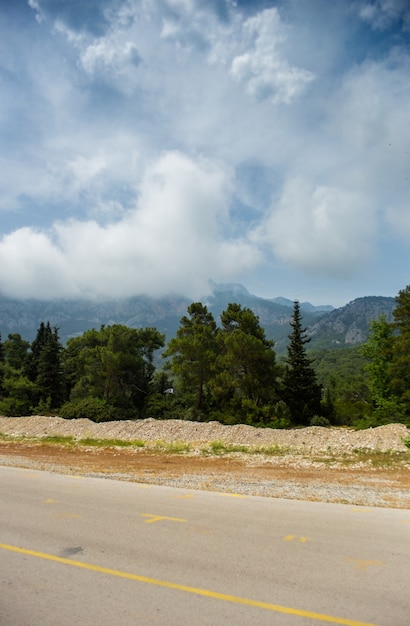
pixel 45 366
pixel 302 393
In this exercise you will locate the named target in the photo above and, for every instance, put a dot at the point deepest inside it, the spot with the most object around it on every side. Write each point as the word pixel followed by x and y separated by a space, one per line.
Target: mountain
pixel 304 306
pixel 327 327
pixel 273 316
pixel 349 325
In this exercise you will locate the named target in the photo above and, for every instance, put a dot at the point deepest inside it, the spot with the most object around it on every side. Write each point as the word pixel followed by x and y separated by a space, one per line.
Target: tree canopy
pixel 223 370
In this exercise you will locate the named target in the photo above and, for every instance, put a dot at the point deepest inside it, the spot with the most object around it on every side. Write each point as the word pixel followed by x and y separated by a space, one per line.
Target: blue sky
pixel 148 146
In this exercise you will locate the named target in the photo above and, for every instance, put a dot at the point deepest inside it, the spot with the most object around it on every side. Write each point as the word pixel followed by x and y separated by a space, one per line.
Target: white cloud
pixel 321 229
pixel 172 242
pixel 148 121
pixel 261 68
pixel 381 14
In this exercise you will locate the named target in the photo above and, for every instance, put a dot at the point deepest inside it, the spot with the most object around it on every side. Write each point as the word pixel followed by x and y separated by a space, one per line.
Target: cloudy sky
pixel 148 146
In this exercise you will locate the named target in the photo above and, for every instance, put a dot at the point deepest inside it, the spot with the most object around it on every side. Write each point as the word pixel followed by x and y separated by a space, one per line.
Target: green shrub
pixel 93 409
pixel 319 420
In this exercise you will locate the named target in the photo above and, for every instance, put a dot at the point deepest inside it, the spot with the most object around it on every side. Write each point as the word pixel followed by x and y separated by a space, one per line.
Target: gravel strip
pixel 301 446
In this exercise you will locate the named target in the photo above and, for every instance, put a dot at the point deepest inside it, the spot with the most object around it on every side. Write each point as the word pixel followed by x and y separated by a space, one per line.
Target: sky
pixel 152 146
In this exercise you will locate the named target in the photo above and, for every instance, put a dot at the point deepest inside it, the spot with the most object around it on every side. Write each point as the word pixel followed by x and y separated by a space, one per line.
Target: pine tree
pixel 400 367
pixel 16 351
pixel 44 367
pixel 302 393
pixel 378 349
pixel 2 362
pixel 193 354
pixel 245 384
pixel 113 368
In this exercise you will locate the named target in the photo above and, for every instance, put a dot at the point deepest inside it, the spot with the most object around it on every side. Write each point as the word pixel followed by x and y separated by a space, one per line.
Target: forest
pixel 224 370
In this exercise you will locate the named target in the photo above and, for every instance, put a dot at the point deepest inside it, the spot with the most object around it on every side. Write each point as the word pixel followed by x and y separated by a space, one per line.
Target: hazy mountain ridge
pixel 328 327
pixel 349 325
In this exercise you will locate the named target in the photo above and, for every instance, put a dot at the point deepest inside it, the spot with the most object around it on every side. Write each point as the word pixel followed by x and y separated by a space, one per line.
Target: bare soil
pixel 376 473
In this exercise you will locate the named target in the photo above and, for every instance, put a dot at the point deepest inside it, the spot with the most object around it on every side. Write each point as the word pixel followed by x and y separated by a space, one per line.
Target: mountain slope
pixel 338 327
pixel 349 325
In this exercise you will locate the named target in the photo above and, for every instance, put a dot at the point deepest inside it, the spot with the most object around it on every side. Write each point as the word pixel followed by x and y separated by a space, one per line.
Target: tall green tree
pixel 193 354
pixel 245 381
pixel 378 350
pixel 302 393
pixel 44 367
pixel 2 362
pixel 16 351
pixel 19 394
pixel 113 365
pixel 400 366
pixel 50 375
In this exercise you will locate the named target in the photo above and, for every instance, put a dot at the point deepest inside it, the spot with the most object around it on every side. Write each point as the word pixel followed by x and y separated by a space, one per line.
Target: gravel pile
pixel 314 439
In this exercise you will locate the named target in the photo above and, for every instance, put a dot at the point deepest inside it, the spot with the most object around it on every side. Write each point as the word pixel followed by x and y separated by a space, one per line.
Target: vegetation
pixel 225 370
pixel 301 392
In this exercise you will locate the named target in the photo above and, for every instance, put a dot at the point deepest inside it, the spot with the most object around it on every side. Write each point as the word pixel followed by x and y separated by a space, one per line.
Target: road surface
pixel 90 551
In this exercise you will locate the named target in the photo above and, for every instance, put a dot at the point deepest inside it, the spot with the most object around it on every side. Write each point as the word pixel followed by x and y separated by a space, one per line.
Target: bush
pixel 93 409
pixel 319 420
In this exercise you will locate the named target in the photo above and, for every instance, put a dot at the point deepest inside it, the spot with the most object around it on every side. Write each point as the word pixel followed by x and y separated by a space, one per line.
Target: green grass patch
pixel 57 439
pixel 111 443
pixel 378 459
pixel 219 448
pixel 173 447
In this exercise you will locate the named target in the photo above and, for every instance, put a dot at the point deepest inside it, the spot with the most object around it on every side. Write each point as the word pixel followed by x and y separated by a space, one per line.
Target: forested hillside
pixel 222 368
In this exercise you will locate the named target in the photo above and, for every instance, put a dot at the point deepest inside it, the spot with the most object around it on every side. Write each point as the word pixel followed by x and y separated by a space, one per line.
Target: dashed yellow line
pixel 160 518
pixel 330 619
pixel 233 495
pixel 362 564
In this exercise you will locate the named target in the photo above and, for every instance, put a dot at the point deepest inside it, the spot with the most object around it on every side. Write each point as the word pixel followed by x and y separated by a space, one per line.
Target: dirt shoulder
pixel 368 468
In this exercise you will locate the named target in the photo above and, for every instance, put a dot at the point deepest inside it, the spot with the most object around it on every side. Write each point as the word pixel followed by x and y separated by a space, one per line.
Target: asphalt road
pixel 90 551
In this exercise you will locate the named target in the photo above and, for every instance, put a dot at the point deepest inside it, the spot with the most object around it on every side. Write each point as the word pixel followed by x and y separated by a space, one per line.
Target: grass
pixel 111 443
pixel 219 448
pixel 174 447
pixel 71 441
pixel 374 458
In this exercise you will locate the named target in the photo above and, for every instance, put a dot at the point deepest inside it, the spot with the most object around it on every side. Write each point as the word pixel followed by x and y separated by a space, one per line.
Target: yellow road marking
pixel 233 495
pixel 295 538
pixel 159 518
pixel 51 501
pixel 360 509
pixel 194 590
pixel 186 497
pixel 361 564
pixel 64 514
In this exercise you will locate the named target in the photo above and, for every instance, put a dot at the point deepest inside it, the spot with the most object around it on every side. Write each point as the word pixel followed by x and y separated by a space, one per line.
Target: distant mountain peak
pixel 234 288
pixel 304 306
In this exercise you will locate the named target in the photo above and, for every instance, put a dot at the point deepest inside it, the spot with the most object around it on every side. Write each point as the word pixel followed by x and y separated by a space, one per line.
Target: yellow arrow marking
pixel 159 518
pixel 361 564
